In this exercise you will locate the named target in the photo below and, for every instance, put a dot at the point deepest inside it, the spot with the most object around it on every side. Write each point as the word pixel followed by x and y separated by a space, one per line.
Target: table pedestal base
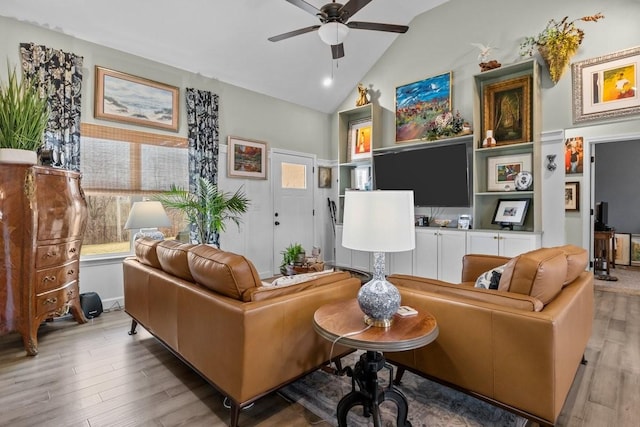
pixel 369 394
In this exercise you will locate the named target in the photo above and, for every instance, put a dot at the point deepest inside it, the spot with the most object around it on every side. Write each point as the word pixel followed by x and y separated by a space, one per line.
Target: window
pixel 293 176
pixel 120 167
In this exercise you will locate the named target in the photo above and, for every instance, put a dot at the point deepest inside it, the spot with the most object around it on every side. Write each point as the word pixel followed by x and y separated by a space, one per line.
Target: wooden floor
pixel 97 375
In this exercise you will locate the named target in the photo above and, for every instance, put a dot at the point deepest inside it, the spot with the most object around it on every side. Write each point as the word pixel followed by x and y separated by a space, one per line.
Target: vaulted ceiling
pixel 227 39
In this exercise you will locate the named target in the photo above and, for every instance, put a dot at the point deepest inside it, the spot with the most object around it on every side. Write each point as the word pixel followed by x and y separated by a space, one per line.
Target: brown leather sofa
pixel 210 308
pixel 518 347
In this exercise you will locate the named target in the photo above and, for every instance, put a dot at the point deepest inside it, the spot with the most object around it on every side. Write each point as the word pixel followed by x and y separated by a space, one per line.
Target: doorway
pixel 293 213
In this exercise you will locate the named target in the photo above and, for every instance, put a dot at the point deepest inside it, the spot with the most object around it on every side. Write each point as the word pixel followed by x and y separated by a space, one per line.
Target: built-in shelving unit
pixel 484 200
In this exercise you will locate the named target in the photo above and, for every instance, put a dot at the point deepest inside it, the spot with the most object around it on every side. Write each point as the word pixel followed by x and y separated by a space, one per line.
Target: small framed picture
pixel 510 212
pixel 574 155
pixel 502 171
pixel 324 177
pixel 246 158
pixel 635 249
pixel 623 248
pixel 359 140
pixel 572 196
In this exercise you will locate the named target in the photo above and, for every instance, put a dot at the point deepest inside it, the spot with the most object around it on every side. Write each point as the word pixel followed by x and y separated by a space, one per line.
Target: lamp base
pixel 378 299
pixel 378 323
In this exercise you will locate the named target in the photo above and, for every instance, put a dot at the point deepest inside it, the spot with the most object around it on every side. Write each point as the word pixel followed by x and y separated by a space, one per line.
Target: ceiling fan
pixel 334 26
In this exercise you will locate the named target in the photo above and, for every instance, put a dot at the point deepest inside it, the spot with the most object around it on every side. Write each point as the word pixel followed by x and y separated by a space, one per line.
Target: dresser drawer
pixel 56 277
pixel 54 255
pixel 53 300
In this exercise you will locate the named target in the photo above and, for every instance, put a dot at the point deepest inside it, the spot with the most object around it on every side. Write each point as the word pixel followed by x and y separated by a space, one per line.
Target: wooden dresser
pixel 43 215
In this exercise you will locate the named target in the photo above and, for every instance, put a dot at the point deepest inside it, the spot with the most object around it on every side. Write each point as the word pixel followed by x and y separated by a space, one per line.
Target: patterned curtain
pixel 60 74
pixel 203 135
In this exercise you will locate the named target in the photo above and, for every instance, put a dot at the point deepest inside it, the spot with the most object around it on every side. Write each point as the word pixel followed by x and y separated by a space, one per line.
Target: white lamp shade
pixel 379 221
pixel 333 33
pixel 148 214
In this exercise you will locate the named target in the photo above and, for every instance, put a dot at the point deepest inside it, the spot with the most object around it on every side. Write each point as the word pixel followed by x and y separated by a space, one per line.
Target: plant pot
pixel 557 59
pixel 18 156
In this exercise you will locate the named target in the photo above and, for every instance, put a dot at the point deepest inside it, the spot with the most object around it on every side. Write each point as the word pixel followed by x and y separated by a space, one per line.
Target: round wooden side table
pixel 338 321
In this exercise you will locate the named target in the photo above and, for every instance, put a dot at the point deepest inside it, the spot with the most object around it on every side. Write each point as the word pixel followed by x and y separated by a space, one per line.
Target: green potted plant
pixel 208 208
pixel 294 253
pixel 557 43
pixel 24 114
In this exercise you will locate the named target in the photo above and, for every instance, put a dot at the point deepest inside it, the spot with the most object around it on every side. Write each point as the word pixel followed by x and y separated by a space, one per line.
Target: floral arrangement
pixel 557 43
pixel 444 125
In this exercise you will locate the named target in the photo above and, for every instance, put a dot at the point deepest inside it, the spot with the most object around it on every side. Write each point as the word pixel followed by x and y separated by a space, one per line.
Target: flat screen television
pixel 438 175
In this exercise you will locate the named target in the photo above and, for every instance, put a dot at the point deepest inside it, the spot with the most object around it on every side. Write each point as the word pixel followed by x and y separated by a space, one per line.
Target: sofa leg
pixel 134 324
pixel 235 414
pixel 584 360
pixel 399 374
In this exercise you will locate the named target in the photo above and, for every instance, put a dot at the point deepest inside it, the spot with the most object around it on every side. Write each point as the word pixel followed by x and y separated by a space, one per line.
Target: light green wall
pixel 242 112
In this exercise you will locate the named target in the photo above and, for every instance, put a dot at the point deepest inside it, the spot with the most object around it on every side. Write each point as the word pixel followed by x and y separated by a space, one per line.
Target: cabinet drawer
pixel 51 301
pixel 56 277
pixel 54 255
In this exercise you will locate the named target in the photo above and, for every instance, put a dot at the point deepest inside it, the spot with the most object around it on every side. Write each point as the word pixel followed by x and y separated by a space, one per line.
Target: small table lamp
pixel 147 216
pixel 379 222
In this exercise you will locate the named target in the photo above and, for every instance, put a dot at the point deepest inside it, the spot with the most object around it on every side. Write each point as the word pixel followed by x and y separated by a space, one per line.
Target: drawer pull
pixel 72 250
pixel 50 301
pixel 70 273
pixel 51 254
pixel 70 294
pixel 49 279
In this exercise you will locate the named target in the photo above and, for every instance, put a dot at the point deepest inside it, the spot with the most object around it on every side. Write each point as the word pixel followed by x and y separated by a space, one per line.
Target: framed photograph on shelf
pixel 246 158
pixel 359 140
pixel 502 171
pixel 134 100
pixel 510 212
pixel 607 86
pixel 635 249
pixel 623 248
pixel 418 103
pixel 572 196
pixel 324 177
pixel 506 109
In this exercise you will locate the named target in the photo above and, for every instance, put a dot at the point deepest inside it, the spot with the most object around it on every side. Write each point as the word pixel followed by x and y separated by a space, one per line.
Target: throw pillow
pixel 490 279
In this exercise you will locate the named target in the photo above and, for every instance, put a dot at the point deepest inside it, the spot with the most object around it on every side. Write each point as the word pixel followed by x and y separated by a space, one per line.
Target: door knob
pixel 277 223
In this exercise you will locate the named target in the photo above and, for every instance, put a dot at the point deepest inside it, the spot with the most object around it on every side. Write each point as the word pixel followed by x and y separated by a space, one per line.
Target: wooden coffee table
pixel 337 321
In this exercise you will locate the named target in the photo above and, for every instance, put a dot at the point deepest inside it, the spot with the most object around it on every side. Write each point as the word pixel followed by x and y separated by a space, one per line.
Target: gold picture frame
pixel 124 98
pixel 507 110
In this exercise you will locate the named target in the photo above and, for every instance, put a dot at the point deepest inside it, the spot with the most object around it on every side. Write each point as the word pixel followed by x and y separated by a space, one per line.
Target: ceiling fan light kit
pixel 333 33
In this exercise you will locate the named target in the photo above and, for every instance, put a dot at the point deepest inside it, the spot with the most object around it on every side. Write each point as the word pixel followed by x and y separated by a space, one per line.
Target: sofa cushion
pixel 172 256
pixel 490 279
pixel 540 273
pixel 145 250
pixel 577 261
pixel 267 292
pixel 227 273
pixel 470 293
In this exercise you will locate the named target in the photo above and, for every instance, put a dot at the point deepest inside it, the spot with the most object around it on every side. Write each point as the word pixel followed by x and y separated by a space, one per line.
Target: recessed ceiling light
pixel 328 81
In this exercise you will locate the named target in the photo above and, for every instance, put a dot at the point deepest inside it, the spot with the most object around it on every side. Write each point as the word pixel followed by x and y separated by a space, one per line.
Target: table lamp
pixel 147 216
pixel 378 222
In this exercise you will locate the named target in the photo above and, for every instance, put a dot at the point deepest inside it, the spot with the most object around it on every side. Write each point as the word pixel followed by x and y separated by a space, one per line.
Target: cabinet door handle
pixel 495 237
pixel 49 279
pixel 72 250
pixel 51 254
pixel 50 301
pixel 70 273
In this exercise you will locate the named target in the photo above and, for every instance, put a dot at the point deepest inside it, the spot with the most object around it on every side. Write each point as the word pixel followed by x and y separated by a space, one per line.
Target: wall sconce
pixel 551 162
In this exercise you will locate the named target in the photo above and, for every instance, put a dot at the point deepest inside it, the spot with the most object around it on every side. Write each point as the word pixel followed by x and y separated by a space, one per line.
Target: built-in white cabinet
pixel 503 243
pixel 438 253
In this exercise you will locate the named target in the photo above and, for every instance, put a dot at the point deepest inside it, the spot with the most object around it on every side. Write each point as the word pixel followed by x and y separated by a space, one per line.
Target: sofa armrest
pixel 473 265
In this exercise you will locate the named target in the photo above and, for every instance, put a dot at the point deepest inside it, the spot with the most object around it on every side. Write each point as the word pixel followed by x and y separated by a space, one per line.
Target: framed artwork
pixel 129 99
pixel 606 87
pixel 246 158
pixel 359 140
pixel 635 249
pixel 572 196
pixel 623 248
pixel 502 171
pixel 511 212
pixel 418 103
pixel 324 177
pixel 574 155
pixel 506 109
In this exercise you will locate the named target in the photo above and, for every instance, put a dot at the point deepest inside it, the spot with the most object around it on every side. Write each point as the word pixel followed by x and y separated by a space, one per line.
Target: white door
pixel 292 176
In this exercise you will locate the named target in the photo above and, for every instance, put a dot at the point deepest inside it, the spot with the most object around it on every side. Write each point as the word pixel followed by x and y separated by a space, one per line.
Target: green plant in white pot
pixel 208 208
pixel 23 118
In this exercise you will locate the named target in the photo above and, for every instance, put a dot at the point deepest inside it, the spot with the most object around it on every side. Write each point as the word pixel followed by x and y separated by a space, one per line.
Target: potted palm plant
pixel 23 118
pixel 208 208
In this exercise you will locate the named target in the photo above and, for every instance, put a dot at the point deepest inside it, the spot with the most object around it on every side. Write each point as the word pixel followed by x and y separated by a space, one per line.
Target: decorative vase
pixel 18 156
pixel 489 141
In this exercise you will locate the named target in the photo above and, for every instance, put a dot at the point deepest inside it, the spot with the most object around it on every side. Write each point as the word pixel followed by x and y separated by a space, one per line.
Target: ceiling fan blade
pixel 337 50
pixel 352 7
pixel 293 33
pixel 305 6
pixel 376 26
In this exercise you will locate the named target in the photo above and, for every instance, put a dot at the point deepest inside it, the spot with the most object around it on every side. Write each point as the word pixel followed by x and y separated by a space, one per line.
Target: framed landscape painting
pixel 134 100
pixel 507 110
pixel 606 87
pixel 246 158
pixel 418 103
pixel 623 248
